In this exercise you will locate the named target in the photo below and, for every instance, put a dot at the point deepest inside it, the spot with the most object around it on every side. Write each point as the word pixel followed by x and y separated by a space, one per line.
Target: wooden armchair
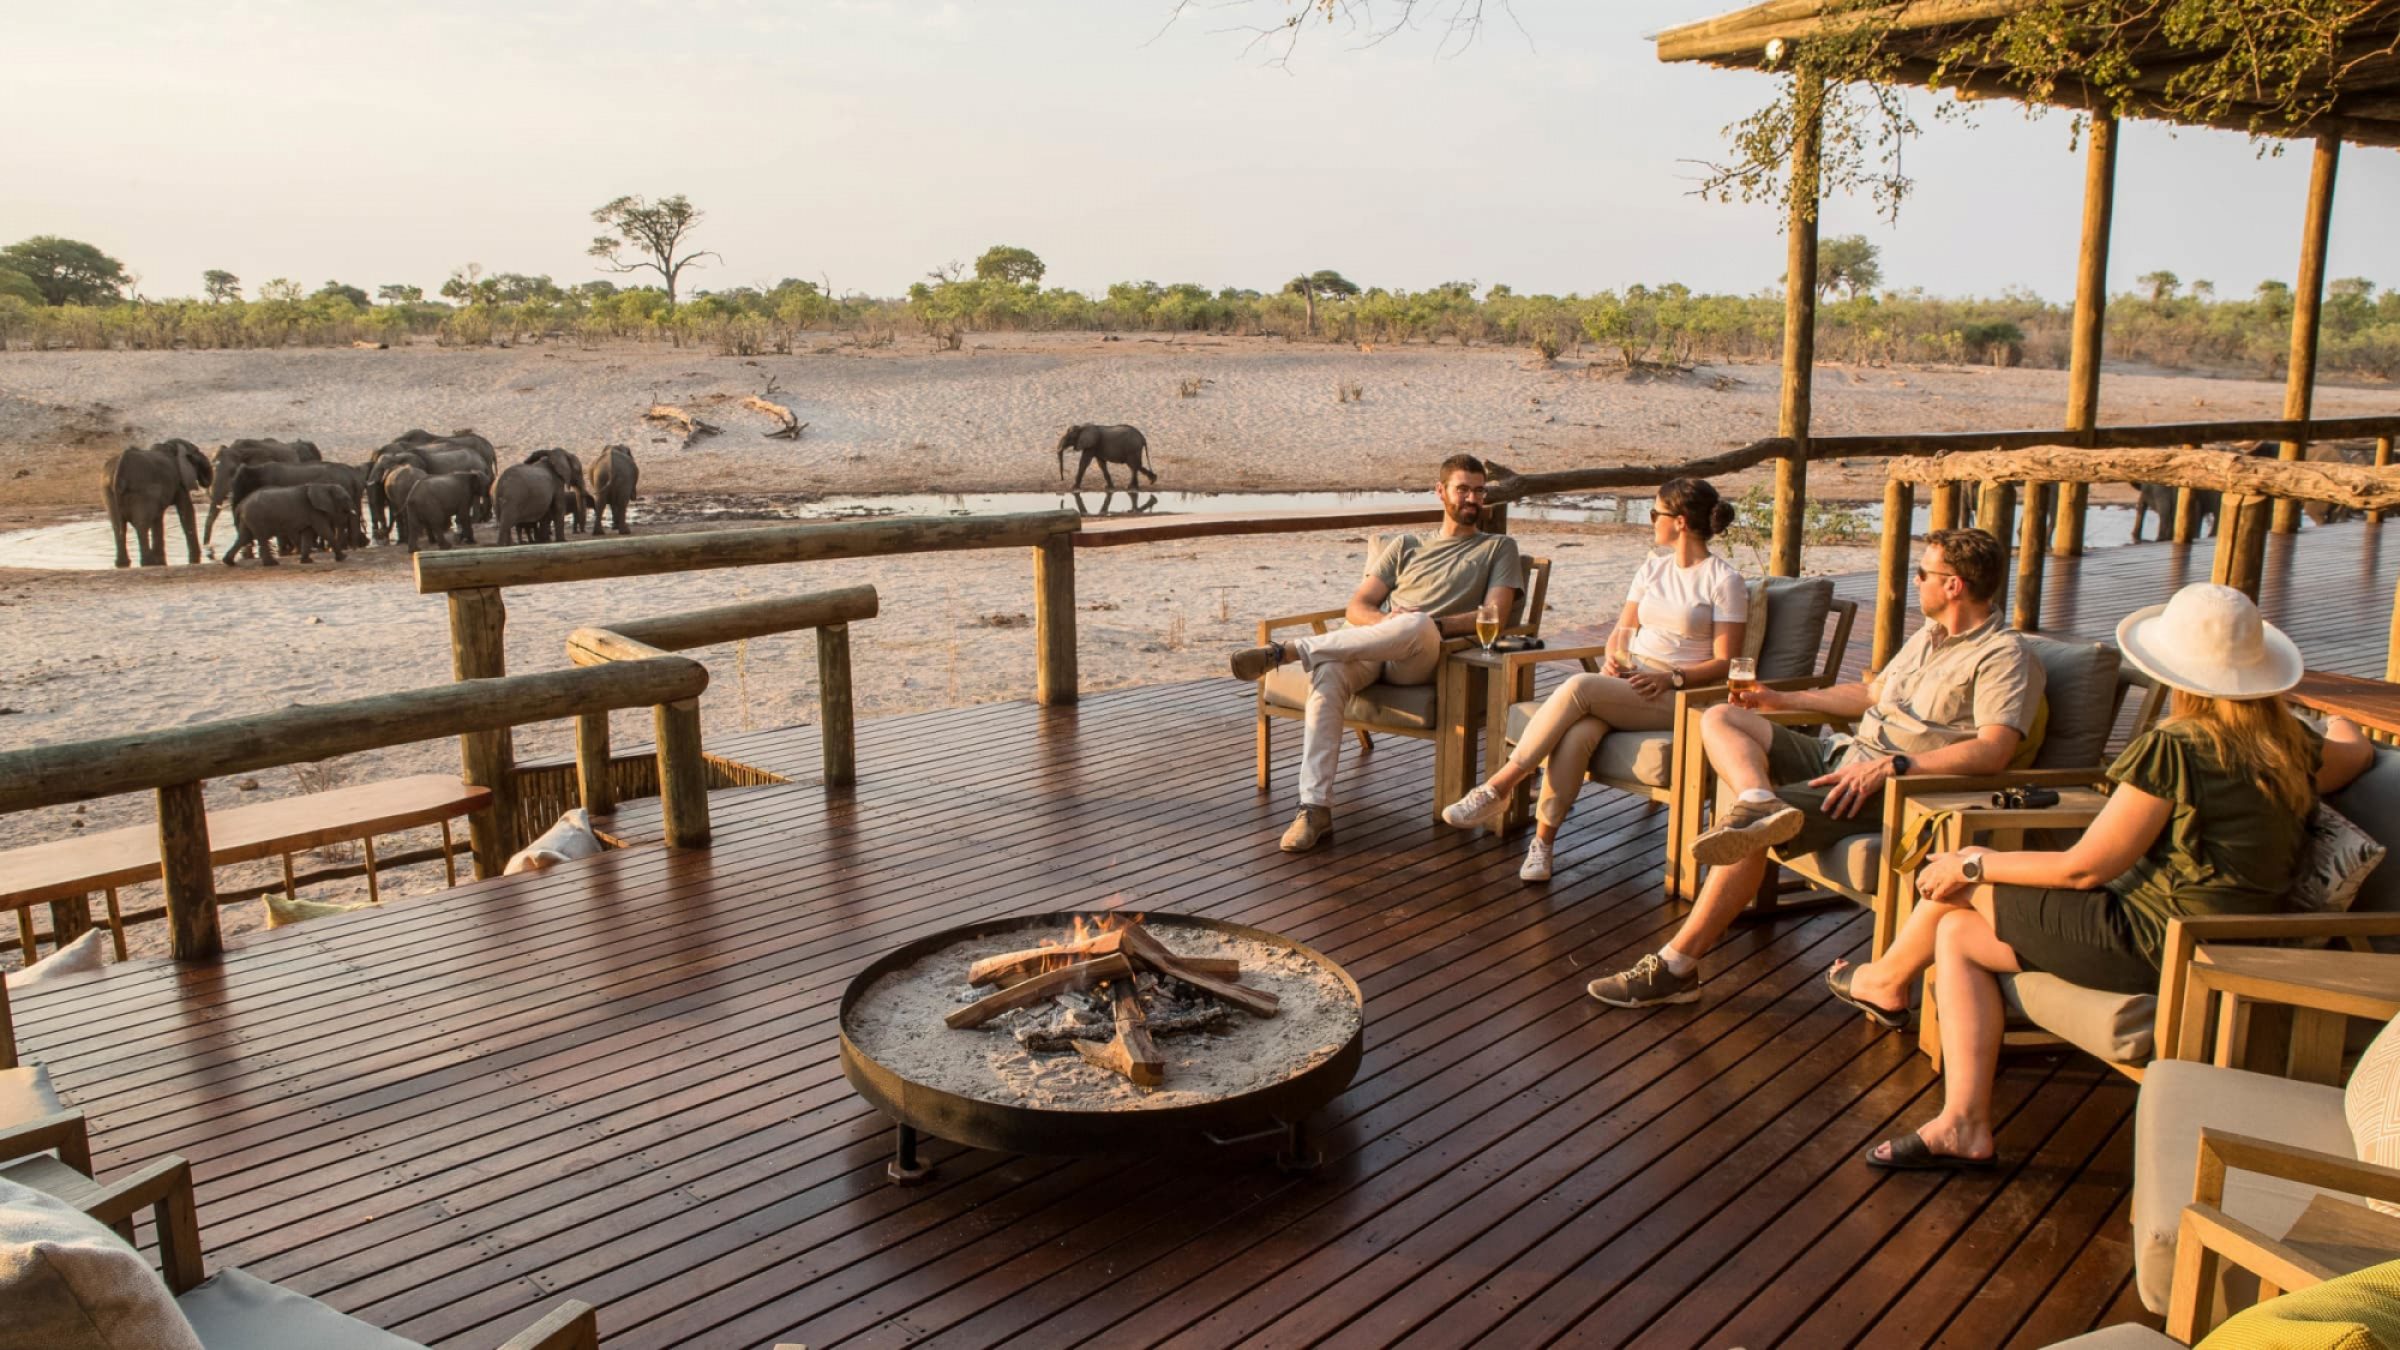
pixel 1796 651
pixel 1413 711
pixel 2332 1238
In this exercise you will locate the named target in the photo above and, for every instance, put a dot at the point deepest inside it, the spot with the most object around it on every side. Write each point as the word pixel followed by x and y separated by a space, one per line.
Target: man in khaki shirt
pixel 1957 698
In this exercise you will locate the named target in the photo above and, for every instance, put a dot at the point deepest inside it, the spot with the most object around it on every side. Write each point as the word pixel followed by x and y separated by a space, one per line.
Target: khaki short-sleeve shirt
pixel 1449 576
pixel 1941 687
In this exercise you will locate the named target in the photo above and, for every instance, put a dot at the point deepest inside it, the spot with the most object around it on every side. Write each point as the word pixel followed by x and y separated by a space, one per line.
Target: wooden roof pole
pixel 1799 322
pixel 2300 379
pixel 2091 321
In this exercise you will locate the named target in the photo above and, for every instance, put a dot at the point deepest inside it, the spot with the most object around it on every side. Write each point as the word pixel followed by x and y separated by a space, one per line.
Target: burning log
pixel 1082 975
pixel 1137 943
pixel 1130 1052
pixel 1016 965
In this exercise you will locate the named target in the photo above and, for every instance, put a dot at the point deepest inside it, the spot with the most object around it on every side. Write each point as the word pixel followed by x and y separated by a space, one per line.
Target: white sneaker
pixel 1481 806
pixel 1537 860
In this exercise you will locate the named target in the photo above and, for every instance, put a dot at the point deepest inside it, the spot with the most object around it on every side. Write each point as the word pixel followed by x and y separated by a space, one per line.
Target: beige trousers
pixel 1403 649
pixel 1563 735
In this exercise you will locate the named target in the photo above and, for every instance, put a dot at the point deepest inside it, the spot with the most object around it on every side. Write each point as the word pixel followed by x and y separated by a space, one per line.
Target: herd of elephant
pixel 287 495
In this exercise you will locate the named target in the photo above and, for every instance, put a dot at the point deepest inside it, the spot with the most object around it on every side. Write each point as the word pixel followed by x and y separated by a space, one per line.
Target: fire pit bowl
pixel 1254 1078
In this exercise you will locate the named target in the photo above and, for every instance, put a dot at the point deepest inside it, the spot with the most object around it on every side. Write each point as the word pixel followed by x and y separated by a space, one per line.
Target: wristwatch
pixel 1971 867
pixel 1675 676
pixel 1901 766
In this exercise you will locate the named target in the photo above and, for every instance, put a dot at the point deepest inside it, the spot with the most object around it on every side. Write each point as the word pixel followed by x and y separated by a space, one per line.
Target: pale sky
pixel 870 140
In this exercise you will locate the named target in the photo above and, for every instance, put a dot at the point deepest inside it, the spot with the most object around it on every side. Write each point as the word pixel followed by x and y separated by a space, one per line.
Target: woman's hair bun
pixel 1721 519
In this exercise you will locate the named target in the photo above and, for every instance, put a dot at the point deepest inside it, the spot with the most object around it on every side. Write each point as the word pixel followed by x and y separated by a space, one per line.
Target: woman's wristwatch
pixel 1971 868
pixel 1675 676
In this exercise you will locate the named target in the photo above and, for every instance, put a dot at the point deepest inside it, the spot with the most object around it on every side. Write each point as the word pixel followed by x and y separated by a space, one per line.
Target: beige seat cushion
pixel 1400 706
pixel 1626 756
pixel 1851 864
pixel 26 1095
pixel 236 1311
pixel 2180 1098
pixel 67 1283
pixel 2118 1028
pixel 2371 1103
pixel 2122 1336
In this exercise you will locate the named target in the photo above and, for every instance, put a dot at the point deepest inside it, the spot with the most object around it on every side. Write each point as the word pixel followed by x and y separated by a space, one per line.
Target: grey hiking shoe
pixel 1256 663
pixel 1648 984
pixel 1745 830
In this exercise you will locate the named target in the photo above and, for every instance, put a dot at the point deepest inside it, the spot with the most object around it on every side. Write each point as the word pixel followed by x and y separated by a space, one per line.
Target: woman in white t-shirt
pixel 1681 625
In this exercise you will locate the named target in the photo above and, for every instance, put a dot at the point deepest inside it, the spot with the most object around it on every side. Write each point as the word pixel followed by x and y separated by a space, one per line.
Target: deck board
pixel 618 1080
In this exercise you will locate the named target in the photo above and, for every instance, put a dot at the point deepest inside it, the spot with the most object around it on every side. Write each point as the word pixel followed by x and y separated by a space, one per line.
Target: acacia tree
pixel 1850 262
pixel 1327 283
pixel 220 285
pixel 649 235
pixel 66 271
pixel 2161 284
pixel 1010 264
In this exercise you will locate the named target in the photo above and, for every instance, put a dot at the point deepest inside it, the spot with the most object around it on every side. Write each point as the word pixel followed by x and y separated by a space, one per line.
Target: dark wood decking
pixel 618 1081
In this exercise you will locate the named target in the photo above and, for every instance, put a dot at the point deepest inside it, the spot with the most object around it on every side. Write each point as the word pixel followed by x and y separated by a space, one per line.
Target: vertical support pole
pixel 837 723
pixel 2091 318
pixel 1799 323
pixel 70 918
pixel 2241 543
pixel 682 774
pixel 595 781
pixel 2308 296
pixel 479 651
pixel 1996 515
pixel 2187 512
pixel 2383 460
pixel 2028 617
pixel 191 879
pixel 1891 572
pixel 1942 514
pixel 1054 676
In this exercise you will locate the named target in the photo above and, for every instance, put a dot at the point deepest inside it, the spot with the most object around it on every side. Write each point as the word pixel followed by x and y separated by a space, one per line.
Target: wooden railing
pixel 175 763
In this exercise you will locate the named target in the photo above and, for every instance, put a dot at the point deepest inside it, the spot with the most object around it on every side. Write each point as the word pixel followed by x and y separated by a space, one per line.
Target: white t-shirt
pixel 1680 607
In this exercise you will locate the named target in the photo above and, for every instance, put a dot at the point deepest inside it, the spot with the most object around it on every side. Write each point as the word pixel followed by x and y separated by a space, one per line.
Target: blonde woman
pixel 2208 816
pixel 1681 625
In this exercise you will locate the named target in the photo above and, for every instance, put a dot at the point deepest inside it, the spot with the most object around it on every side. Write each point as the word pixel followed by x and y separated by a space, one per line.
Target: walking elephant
pixel 139 485
pixel 531 498
pixel 311 513
pixel 1109 445
pixel 614 477
pixel 350 478
pixel 429 504
pixel 437 456
pixel 250 450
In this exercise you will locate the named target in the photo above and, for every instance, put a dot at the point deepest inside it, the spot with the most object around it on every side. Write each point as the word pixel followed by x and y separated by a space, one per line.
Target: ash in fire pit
pixel 1155 1014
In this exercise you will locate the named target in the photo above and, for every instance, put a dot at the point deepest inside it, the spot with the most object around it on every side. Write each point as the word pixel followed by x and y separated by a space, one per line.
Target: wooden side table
pixel 2323 988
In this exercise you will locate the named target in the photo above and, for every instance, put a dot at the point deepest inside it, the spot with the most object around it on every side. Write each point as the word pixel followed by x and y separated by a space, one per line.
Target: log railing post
pixel 189 875
pixel 2300 378
pixel 837 720
pixel 2187 516
pixel 2241 543
pixel 2091 319
pixel 1054 676
pixel 1943 513
pixel 2029 558
pixel 479 651
pixel 595 778
pixel 2383 460
pixel 682 774
pixel 1799 323
pixel 1891 573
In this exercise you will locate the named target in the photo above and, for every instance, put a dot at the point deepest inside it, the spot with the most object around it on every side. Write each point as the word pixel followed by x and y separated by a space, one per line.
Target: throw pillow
pixel 283 911
pixel 571 838
pixel 1754 628
pixel 2357 1311
pixel 80 957
pixel 2334 863
pixel 2371 1103
pixel 68 1283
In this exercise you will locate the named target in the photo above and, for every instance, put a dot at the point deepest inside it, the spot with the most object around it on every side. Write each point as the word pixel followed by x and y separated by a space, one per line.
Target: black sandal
pixel 1837 979
pixel 1910 1153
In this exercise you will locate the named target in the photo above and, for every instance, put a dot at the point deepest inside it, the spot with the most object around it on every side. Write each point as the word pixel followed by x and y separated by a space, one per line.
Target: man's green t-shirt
pixel 2228 848
pixel 1449 576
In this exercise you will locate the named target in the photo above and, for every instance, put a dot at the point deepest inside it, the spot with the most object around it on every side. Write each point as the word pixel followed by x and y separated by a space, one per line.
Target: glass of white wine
pixel 1487 625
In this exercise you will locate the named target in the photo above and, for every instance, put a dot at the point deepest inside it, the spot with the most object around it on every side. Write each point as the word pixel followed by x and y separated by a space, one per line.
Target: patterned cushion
pixel 1795 628
pixel 67 1283
pixel 2334 863
pixel 2080 689
pixel 1398 706
pixel 1626 756
pixel 2372 1105
pixel 1754 628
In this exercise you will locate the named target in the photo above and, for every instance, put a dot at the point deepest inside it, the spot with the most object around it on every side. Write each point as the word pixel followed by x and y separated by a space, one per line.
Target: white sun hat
pixel 2210 640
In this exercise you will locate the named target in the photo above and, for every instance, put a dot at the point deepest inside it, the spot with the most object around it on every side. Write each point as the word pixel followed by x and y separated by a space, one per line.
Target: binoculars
pixel 2024 798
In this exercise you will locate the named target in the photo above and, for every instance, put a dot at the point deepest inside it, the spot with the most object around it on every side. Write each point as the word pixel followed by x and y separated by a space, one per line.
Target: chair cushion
pixel 571 838
pixel 2371 1103
pixel 78 958
pixel 26 1095
pixel 1795 632
pixel 1407 707
pixel 67 1283
pixel 235 1311
pixel 2122 1336
pixel 2335 862
pixel 1754 628
pixel 2373 804
pixel 2180 1098
pixel 284 911
pixel 1627 756
pixel 2357 1311
pixel 2080 686
pixel 1851 864
pixel 2117 1028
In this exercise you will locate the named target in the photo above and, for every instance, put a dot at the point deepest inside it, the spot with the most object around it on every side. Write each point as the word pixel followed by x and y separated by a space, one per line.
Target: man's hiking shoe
pixel 1647 985
pixel 1313 826
pixel 1745 830
pixel 1481 806
pixel 1256 663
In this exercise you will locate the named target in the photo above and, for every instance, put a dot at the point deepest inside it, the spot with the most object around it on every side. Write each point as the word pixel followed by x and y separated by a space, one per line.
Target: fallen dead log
pixel 1130 1052
pixel 1082 975
pixel 365 346
pixel 1138 944
pixel 691 427
pixel 792 425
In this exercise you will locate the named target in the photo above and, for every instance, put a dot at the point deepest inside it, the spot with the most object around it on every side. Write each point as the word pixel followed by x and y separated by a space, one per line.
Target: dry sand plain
pixel 96 653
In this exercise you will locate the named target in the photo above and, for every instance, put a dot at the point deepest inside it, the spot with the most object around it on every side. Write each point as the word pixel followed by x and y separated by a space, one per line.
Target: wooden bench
pixel 67 870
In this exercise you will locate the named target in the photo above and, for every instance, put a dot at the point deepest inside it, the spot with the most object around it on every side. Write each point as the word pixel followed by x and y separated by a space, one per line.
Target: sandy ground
pixel 98 653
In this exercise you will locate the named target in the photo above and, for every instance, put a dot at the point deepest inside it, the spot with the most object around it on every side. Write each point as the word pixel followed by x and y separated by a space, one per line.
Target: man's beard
pixel 1466 513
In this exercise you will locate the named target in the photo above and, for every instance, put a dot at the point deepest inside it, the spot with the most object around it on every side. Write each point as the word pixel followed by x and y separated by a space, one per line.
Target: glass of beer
pixel 1487 625
pixel 1741 677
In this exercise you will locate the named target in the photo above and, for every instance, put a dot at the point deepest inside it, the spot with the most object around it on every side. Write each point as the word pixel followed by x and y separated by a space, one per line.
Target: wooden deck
pixel 618 1081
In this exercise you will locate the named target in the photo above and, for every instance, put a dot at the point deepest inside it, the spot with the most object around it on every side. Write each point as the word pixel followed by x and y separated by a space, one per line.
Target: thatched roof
pixel 2366 107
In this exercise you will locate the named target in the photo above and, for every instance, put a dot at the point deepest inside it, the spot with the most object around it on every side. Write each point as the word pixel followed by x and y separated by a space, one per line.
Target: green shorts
pixel 1795 756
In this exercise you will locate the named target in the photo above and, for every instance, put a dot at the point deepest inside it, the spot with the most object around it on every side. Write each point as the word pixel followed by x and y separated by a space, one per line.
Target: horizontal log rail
pixel 830 613
pixel 175 762
pixel 1136 530
pixel 2353 485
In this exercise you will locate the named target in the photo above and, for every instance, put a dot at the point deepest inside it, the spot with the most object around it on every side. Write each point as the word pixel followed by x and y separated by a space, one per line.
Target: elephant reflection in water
pixel 1136 505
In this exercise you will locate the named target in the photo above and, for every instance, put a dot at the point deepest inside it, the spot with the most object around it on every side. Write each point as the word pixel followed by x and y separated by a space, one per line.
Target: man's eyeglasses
pixel 1923 573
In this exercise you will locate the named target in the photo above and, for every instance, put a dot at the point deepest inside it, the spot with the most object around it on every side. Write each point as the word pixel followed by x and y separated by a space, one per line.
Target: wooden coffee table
pixel 2323 987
